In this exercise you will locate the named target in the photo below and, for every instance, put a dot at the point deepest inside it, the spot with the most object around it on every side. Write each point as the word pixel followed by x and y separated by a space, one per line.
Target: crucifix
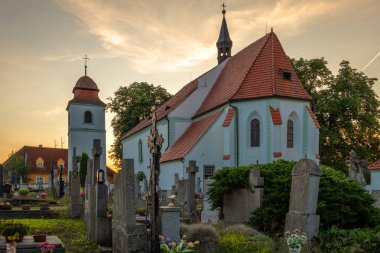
pixel 224 6
pixel 154 143
pixel 85 58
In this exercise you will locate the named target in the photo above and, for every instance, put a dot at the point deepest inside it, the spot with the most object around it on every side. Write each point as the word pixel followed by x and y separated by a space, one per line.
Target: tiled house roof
pixel 375 165
pixel 192 135
pixel 229 116
pixel 255 72
pixel 276 115
pixel 166 108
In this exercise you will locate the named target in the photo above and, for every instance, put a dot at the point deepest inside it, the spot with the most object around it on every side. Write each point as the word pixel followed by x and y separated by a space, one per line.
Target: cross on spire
pixel 85 58
pixel 224 6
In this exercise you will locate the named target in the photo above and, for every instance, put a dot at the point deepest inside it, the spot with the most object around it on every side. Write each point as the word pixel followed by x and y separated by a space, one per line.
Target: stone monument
pixel 303 198
pixel 358 170
pixel 192 169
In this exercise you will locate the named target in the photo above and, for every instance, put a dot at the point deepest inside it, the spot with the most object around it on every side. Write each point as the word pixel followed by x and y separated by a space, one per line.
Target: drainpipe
pixel 167 119
pixel 237 133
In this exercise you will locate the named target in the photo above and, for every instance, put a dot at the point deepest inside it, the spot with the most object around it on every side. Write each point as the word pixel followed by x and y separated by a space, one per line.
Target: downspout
pixel 237 133
pixel 167 119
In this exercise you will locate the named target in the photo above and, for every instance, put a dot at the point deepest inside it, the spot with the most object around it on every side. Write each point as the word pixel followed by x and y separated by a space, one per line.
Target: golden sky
pixel 166 43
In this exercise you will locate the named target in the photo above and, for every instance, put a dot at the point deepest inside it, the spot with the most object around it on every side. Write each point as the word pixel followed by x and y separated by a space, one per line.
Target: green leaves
pixel 131 104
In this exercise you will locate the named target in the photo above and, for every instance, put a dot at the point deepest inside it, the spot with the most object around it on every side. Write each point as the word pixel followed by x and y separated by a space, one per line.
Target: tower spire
pixel 85 58
pixel 224 43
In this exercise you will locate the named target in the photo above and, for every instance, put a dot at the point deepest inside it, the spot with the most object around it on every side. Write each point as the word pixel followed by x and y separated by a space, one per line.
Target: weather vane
pixel 85 64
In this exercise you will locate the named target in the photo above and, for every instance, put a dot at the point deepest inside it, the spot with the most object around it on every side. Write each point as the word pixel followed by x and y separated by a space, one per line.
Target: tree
pixel 346 107
pixel 17 168
pixel 131 104
pixel 83 169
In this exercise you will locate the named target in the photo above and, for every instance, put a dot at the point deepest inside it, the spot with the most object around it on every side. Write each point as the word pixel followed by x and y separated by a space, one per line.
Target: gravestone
pixel 170 222
pixel 76 206
pixel 303 198
pixel 127 235
pixel 239 203
pixel 192 169
pixel 90 200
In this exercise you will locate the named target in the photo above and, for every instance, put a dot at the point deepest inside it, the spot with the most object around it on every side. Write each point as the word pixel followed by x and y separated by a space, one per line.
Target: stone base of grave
pixel 309 223
pixel 103 231
pixel 76 210
pixel 29 246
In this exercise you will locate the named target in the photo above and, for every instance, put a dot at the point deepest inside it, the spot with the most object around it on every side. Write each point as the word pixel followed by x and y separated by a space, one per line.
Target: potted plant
pixel 172 199
pixel 44 206
pixel 13 231
pixel 295 240
pixel 46 247
pixel 25 207
pixel 5 206
pixel 23 192
pixel 141 210
pixel 39 236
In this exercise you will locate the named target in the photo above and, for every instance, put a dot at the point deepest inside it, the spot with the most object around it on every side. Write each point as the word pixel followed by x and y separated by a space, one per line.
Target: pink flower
pixel 43 195
pixel 82 194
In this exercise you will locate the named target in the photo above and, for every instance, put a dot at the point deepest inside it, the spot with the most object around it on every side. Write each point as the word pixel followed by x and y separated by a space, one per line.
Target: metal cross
pixel 223 5
pixel 85 58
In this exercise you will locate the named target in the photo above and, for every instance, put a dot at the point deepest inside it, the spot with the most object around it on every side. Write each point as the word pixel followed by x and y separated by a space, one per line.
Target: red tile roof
pixel 255 72
pixel 226 157
pixel 277 154
pixel 229 116
pixel 85 83
pixel 375 165
pixel 186 142
pixel 166 108
pixel 86 92
pixel 276 115
pixel 313 117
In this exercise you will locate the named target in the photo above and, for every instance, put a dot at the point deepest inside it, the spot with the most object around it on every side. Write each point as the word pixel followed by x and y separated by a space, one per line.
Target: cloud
pixel 155 37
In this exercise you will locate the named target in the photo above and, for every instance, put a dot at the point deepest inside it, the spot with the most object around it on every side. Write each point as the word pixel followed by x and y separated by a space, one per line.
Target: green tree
pixel 131 104
pixel 347 108
pixel 83 169
pixel 17 168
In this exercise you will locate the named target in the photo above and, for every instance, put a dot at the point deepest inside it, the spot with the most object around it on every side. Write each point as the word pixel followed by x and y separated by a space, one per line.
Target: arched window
pixel 255 133
pixel 87 117
pixel 140 152
pixel 290 134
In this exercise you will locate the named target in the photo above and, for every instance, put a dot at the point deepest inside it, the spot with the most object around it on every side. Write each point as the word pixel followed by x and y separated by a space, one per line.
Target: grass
pixel 71 232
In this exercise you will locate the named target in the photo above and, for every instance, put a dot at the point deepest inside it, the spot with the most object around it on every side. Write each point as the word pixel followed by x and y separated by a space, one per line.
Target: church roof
pixel 255 72
pixel 187 141
pixel 276 115
pixel 312 115
pixel 86 92
pixel 227 120
pixel 224 35
pixel 166 108
pixel 375 165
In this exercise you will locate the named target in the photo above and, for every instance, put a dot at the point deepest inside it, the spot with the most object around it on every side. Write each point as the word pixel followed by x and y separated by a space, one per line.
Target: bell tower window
pixel 88 117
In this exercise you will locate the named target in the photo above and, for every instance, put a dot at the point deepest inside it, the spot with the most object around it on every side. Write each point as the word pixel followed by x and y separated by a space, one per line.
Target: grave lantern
pixel 100 176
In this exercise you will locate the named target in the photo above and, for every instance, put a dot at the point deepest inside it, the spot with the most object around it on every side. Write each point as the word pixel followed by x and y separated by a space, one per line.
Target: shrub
pixel 23 192
pixel 337 240
pixel 11 228
pixel 204 233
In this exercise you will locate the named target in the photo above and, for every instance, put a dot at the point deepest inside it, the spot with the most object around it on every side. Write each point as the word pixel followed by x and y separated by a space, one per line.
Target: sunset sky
pixel 165 43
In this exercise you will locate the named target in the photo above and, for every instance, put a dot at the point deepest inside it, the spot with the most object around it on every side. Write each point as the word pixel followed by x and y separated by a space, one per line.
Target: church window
pixel 87 117
pixel 255 133
pixel 290 134
pixel 140 152
pixel 208 171
pixel 287 76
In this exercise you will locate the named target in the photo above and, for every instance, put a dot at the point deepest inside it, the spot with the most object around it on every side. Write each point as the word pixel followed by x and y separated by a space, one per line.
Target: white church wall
pixel 131 146
pixel 178 126
pixel 76 114
pixel 205 82
pixel 168 170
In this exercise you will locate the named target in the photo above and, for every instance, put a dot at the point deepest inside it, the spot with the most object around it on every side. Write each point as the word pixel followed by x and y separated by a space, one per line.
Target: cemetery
pixel 238 160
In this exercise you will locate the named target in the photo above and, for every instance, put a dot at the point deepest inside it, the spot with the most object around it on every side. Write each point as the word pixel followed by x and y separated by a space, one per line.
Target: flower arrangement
pixel 172 197
pixel 82 194
pixel 180 247
pixel 141 210
pixel 295 240
pixel 13 231
pixel 39 236
pixel 26 207
pixel 46 247
pixel 44 206
pixel 5 206
pixel 43 195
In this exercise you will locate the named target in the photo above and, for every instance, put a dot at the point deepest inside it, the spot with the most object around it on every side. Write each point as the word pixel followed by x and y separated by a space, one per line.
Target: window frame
pixel 89 120
pixel 255 133
pixel 290 133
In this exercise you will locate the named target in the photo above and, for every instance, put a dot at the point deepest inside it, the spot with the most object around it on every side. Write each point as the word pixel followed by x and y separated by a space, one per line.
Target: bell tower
pixel 224 43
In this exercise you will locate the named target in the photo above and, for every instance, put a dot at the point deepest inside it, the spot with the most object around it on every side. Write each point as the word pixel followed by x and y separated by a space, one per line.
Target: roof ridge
pixel 273 78
pixel 261 50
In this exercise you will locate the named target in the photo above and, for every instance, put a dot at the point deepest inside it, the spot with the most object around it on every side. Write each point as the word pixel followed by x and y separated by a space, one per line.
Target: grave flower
pixel 295 240
pixel 173 247
pixel 43 195
pixel 46 247
pixel 82 194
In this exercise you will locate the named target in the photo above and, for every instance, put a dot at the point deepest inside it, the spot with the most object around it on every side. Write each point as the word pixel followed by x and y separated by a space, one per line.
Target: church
pixel 251 108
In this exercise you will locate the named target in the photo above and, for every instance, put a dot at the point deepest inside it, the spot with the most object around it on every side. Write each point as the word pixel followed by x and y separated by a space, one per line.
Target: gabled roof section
pixel 255 72
pixel 192 135
pixel 313 117
pixel 375 165
pixel 276 115
pixel 166 108
pixel 227 120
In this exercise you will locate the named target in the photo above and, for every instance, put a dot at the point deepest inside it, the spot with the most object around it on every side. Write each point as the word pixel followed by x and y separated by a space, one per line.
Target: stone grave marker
pixel 76 207
pixel 192 169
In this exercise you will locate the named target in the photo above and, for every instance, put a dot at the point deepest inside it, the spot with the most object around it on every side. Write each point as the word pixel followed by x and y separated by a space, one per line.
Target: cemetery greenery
pixel 83 169
pixel 17 169
pixel 342 203
pixel 347 109
pixel 131 104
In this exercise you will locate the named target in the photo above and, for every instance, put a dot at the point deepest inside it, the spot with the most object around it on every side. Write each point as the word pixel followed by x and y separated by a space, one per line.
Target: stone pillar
pixel 256 183
pixel 191 170
pixel 76 206
pixel 170 222
pixel 303 198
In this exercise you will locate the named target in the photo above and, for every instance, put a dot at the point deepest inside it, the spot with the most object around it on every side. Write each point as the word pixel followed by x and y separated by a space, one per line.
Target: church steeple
pixel 224 43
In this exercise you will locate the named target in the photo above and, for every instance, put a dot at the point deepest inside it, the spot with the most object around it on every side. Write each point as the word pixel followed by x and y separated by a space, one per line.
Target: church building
pixel 86 120
pixel 250 108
